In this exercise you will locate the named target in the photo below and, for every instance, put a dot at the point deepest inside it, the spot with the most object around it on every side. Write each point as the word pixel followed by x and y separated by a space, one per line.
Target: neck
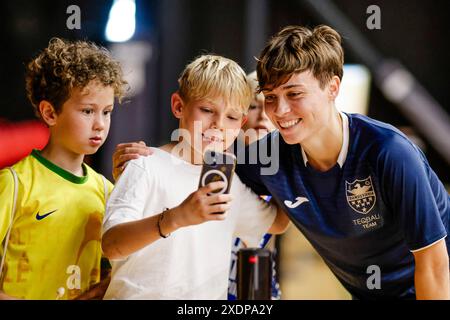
pixel 323 148
pixel 184 151
pixel 63 158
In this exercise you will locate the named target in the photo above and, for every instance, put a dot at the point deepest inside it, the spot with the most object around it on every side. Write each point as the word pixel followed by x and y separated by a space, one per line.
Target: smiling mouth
pixel 289 124
pixel 211 138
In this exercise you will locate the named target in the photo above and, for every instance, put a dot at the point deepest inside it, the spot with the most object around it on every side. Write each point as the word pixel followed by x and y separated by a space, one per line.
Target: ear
pixel 177 105
pixel 244 120
pixel 48 113
pixel 333 87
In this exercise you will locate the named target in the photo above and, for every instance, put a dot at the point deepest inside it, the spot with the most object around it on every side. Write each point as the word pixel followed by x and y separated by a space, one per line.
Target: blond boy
pixel 163 231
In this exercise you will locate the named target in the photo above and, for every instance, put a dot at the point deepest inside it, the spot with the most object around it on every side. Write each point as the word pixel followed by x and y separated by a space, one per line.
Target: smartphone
pixel 217 166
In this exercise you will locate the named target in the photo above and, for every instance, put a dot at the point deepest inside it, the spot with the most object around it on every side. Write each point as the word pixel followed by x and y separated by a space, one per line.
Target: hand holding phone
pixel 218 166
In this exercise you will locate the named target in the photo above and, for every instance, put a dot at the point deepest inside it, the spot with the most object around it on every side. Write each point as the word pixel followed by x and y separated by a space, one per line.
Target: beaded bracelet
pixel 161 217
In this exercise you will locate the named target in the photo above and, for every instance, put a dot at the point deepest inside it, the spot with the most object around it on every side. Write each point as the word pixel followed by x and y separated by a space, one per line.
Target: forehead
pixel 300 80
pixel 219 103
pixel 93 90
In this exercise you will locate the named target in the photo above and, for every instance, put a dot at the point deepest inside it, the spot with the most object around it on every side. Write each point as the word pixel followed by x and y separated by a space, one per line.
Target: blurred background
pixel 397 69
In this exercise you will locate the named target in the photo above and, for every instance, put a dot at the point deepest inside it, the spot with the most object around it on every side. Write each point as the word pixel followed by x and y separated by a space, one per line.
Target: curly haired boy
pixel 51 203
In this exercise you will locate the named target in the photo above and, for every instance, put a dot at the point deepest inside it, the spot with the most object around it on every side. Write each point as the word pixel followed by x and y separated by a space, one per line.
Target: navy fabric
pixel 384 202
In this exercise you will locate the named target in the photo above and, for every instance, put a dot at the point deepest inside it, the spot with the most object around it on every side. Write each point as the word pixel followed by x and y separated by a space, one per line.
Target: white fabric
pixel 193 263
pixel 345 141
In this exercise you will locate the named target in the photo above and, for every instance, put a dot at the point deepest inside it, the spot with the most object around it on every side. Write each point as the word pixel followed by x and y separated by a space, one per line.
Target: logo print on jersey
pixel 360 195
pixel 38 217
pixel 299 201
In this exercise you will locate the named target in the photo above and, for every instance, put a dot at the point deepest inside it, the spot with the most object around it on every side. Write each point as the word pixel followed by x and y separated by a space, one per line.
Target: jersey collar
pixel 60 171
pixel 345 140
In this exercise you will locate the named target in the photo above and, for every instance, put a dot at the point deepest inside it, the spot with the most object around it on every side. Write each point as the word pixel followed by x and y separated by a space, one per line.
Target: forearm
pixel 4 296
pixel 127 238
pixel 432 283
pixel 281 222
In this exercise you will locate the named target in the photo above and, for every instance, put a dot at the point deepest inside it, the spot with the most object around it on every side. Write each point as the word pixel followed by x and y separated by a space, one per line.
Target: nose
pixel 282 107
pixel 218 122
pixel 99 122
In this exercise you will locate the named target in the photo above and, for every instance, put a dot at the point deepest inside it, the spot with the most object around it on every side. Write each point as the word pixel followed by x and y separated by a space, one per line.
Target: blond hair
pixel 212 76
pixel 296 49
pixel 64 65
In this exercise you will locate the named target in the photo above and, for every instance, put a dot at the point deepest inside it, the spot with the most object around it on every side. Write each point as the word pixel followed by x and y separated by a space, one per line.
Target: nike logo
pixel 38 217
pixel 299 201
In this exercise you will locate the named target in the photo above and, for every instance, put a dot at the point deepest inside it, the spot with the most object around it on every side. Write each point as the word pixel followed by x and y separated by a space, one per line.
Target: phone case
pixel 218 166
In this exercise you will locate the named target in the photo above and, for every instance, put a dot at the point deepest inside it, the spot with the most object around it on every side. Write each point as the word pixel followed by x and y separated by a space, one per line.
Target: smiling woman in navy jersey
pixel 359 190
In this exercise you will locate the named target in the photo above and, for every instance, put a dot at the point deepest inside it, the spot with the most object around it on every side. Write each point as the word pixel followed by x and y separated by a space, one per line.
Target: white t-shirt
pixel 194 262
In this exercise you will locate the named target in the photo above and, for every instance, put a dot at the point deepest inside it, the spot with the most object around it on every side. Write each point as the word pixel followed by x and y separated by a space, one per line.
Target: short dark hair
pixel 296 49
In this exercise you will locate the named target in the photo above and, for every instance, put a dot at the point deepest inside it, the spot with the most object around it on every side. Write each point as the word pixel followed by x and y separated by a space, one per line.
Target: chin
pixel 291 139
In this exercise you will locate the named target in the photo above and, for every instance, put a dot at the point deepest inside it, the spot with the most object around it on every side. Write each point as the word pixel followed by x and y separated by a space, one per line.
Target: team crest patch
pixel 361 195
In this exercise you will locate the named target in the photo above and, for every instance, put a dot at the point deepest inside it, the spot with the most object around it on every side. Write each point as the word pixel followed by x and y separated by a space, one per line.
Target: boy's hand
pixel 125 152
pixel 97 291
pixel 199 207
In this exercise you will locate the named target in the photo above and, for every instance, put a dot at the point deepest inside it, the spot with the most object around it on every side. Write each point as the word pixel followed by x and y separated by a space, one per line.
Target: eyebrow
pixel 285 87
pixel 95 105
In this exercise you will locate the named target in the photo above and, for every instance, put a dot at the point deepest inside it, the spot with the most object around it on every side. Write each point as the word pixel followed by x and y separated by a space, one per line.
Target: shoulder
pixel 98 178
pixel 383 141
pixel 6 177
pixel 159 158
pixel 26 169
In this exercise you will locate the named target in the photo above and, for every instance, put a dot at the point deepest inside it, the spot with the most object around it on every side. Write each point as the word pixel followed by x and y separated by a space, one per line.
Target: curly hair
pixel 65 65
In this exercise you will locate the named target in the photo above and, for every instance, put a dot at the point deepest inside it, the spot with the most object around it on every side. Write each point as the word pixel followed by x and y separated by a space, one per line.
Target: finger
pixel 142 142
pixel 219 198
pixel 127 145
pixel 217 216
pixel 213 186
pixel 139 149
pixel 219 207
pixel 119 164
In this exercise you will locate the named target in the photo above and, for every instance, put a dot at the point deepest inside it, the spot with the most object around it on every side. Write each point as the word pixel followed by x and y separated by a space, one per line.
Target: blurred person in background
pixel 255 128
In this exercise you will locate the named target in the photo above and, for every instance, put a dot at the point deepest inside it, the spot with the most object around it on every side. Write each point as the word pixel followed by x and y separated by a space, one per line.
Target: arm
pixel 4 296
pixel 281 222
pixel 432 272
pixel 127 238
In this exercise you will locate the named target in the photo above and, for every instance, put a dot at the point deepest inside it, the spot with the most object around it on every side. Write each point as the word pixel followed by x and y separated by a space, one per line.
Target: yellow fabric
pixel 56 256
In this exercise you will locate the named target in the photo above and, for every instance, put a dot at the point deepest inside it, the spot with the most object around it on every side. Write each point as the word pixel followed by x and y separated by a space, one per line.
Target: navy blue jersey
pixel 381 203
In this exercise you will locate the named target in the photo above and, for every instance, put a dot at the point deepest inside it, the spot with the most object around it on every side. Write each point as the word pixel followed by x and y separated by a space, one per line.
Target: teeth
pixel 288 124
pixel 212 138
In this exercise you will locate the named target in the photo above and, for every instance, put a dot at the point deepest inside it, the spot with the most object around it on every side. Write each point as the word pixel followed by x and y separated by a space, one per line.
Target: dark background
pixel 414 32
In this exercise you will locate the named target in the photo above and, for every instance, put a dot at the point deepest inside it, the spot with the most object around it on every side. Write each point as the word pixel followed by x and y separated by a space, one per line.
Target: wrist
pixel 167 223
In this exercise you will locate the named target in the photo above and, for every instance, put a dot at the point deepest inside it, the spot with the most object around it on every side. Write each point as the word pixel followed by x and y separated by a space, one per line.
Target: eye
pixel 207 110
pixel 233 118
pixel 294 94
pixel 87 111
pixel 107 112
pixel 252 107
pixel 269 98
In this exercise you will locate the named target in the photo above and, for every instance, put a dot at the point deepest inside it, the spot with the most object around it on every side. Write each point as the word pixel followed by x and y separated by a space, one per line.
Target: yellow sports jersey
pixel 54 249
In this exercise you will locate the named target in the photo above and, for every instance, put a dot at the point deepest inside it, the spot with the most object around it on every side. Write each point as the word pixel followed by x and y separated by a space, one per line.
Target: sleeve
pixel 110 186
pixel 255 216
pixel 128 198
pixel 249 169
pixel 6 203
pixel 405 178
